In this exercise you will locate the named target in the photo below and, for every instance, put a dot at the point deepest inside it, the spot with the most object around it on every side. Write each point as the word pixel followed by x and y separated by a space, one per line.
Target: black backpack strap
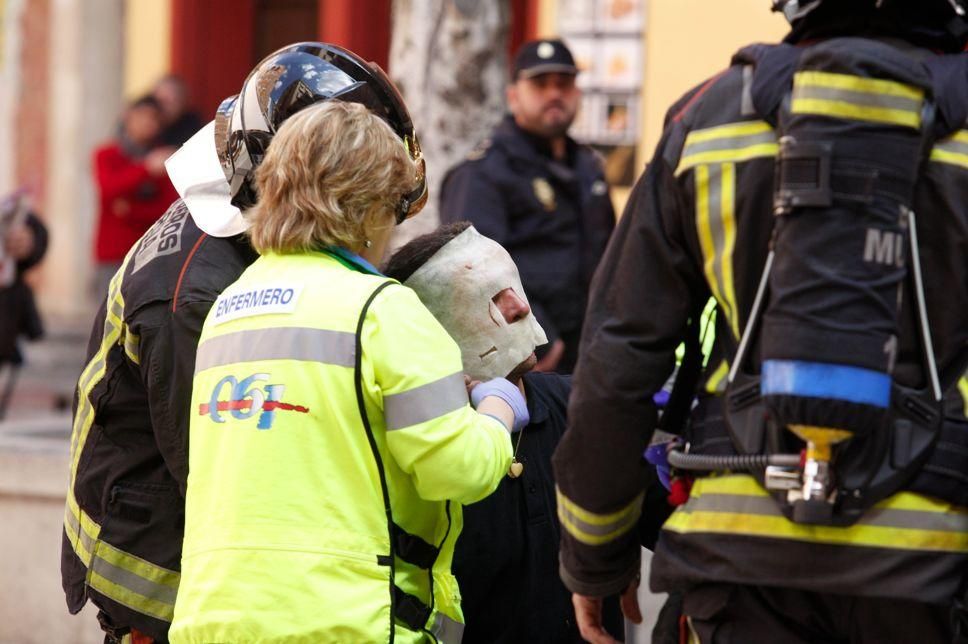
pixel 676 411
pixel 949 79
pixel 773 69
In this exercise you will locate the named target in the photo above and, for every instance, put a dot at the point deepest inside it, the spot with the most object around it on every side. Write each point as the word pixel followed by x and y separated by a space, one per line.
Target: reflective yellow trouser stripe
pixel 736 504
pixel 716 226
pixel 596 529
pixel 857 98
pixel 953 150
pixel 120 576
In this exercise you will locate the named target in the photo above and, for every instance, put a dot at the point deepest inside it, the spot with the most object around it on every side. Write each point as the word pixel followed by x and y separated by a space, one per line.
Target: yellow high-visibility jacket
pixel 328 410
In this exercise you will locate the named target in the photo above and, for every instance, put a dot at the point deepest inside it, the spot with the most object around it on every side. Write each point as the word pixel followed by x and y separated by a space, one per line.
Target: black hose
pixel 707 462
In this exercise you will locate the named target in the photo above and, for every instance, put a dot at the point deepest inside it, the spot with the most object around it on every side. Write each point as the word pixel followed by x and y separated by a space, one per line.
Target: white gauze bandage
pixel 458 285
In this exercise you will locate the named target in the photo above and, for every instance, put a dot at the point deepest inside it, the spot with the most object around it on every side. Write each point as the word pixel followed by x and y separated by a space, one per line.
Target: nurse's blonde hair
pixel 332 172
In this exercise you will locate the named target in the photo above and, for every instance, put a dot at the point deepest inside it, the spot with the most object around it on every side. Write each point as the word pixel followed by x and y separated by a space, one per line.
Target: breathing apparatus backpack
pixel 812 385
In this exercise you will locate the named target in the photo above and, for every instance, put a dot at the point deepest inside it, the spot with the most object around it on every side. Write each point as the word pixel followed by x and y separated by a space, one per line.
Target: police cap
pixel 543 57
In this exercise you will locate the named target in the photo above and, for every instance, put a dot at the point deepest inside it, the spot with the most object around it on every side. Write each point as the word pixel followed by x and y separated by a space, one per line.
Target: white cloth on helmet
pixel 197 175
pixel 458 285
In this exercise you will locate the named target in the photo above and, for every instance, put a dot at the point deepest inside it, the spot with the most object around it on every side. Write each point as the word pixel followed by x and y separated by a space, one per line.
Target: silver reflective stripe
pixel 603 531
pixel 283 343
pixel 866 99
pixel 87 542
pixel 953 145
pixel 446 630
pixel 880 517
pixel 426 402
pixel 746 103
pixel 134 583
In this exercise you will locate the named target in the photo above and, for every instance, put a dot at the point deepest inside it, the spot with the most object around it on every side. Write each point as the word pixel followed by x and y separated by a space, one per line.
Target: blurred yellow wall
pixel 687 41
pixel 147 44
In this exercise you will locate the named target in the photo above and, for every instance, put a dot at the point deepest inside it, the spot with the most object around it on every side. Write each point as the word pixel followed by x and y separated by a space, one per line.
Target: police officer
pixel 541 195
pixel 700 223
pixel 123 526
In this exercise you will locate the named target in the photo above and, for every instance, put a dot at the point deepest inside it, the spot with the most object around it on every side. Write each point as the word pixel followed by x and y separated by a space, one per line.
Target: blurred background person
pixel 133 187
pixel 23 242
pixel 541 195
pixel 180 120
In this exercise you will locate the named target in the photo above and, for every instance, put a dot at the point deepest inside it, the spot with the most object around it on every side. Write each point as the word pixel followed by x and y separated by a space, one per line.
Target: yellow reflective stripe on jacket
pixel 596 529
pixel 425 402
pixel 952 150
pixel 857 98
pixel 81 529
pixel 134 582
pixel 963 388
pixel 120 576
pixel 736 504
pixel 716 227
pixel 716 383
pixel 131 344
pixel 733 142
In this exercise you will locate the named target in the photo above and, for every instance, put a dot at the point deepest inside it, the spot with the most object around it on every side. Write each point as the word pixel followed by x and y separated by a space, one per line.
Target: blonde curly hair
pixel 333 172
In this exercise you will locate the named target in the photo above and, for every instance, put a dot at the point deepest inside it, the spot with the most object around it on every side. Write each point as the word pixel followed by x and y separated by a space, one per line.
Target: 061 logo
pixel 246 398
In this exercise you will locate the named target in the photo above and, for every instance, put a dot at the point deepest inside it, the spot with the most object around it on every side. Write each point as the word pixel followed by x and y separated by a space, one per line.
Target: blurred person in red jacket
pixel 133 185
pixel 180 120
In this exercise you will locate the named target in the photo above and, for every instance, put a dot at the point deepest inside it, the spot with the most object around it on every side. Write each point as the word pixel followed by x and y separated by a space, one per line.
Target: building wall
pixel 147 44
pixel 33 98
pixel 688 41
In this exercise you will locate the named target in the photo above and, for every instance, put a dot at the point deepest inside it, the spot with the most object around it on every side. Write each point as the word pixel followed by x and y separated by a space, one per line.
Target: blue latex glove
pixel 509 393
pixel 658 455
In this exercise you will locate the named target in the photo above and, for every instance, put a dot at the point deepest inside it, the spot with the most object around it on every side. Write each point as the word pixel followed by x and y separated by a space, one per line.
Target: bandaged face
pixel 472 287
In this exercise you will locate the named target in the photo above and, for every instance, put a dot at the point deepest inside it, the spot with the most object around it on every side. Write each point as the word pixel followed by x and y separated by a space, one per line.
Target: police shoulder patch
pixel 261 299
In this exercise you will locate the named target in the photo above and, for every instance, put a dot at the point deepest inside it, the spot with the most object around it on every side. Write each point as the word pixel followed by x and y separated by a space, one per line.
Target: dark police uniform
pixel 506 561
pixel 699 223
pixel 129 464
pixel 554 218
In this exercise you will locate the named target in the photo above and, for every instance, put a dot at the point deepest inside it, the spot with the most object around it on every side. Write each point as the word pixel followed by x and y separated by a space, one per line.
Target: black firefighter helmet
pixel 796 9
pixel 290 80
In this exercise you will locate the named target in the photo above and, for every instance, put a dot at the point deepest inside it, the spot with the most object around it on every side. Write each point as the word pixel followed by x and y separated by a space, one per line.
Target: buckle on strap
pixel 413 549
pixel 409 610
pixel 113 634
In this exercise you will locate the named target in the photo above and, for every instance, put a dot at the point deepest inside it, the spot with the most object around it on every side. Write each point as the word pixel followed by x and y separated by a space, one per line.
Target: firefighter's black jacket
pixel 125 511
pixel 698 223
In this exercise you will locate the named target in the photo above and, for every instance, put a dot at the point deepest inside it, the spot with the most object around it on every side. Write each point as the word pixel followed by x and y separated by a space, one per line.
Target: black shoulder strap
pixel 676 411
pixel 408 609
pixel 949 80
pixel 773 69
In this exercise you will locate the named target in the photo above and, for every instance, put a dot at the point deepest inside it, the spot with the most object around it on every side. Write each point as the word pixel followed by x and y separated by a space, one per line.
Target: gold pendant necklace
pixel 516 467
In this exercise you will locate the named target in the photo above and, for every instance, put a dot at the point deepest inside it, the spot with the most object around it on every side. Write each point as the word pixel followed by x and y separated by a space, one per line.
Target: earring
pixel 368 243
